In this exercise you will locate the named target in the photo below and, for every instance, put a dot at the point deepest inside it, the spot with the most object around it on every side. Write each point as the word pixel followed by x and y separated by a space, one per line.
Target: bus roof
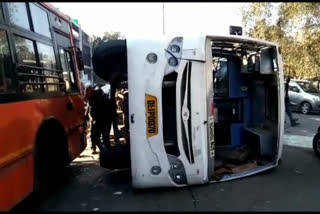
pixel 55 11
pixel 201 37
pixel 245 39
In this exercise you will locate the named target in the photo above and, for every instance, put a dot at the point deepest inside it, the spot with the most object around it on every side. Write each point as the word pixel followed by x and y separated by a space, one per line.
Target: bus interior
pixel 245 106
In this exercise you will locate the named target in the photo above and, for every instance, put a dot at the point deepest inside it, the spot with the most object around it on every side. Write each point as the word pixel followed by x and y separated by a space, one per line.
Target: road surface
pixel 293 186
pixel 302 134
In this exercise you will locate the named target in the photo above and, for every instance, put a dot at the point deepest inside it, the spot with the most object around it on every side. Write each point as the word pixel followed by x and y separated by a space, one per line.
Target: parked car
pixel 304 96
pixel 316 143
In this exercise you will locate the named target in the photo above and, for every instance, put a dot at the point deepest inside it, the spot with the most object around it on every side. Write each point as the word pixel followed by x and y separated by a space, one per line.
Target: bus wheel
pixel 50 155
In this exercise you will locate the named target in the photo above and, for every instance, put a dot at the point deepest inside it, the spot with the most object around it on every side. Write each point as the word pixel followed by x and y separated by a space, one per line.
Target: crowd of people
pixel 101 114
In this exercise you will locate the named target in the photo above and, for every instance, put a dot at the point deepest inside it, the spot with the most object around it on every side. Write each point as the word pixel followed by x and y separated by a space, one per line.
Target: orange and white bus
pixel 42 125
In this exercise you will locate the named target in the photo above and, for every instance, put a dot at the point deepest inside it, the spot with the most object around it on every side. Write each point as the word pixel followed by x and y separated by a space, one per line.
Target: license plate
pixel 211 135
pixel 151 115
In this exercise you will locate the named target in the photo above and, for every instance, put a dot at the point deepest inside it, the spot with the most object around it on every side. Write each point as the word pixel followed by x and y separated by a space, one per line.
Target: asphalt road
pixel 293 186
pixel 308 124
pixel 302 134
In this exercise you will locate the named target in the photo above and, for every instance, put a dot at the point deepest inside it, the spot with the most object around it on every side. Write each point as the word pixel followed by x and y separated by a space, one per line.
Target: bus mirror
pixel 80 59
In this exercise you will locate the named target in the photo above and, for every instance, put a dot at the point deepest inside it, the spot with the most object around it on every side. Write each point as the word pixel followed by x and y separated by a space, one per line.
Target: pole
pixel 163 31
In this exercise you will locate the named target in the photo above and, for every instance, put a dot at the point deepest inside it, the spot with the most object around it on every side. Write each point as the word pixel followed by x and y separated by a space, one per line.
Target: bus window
pixel 65 70
pixel 25 51
pixel 26 56
pixel 6 84
pixel 71 66
pixel 62 40
pixel 68 70
pixel 46 56
pixel 86 55
pixel 47 60
pixel 42 26
pixel 75 33
pixel 18 14
pixel 221 77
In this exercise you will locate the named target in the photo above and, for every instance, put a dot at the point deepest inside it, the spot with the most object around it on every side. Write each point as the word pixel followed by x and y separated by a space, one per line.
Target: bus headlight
pixel 155 170
pixel 174 48
pixel 173 61
pixel 152 58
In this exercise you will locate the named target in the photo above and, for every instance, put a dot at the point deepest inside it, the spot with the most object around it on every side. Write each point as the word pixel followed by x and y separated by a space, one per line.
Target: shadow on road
pixel 33 201
pixel 68 176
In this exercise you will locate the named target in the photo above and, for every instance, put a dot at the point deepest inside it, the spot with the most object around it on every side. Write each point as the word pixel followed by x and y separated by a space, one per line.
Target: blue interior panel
pixel 237 134
pixel 236 80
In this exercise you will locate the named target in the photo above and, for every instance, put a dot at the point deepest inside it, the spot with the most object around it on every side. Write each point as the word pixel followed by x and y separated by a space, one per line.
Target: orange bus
pixel 42 124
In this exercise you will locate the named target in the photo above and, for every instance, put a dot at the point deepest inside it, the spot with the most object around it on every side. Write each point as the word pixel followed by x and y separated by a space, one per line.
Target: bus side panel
pixel 19 123
pixel 71 119
pixel 78 126
pixel 16 182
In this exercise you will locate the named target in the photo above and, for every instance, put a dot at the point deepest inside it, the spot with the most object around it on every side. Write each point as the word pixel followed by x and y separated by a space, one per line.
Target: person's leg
pixel 98 132
pixel 106 133
pixel 93 137
pixel 114 115
pixel 288 110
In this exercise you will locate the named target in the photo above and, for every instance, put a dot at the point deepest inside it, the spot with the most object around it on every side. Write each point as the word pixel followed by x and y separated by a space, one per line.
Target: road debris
pixel 117 193
pixel 298 172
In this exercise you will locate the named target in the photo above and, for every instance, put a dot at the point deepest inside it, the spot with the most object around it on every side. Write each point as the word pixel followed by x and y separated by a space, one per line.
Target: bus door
pixel 71 87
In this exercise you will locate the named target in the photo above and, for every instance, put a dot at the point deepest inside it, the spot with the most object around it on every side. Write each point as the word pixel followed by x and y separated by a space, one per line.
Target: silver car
pixel 304 96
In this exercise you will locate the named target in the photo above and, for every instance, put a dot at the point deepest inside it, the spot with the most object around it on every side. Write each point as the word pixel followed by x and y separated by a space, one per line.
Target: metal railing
pixel 41 77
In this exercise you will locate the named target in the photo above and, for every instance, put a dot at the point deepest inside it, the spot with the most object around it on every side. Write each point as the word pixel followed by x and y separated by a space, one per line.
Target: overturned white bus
pixel 201 109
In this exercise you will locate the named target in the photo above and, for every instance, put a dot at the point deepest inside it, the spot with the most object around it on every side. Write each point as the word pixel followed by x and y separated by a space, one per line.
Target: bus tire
pixel 51 155
pixel 109 60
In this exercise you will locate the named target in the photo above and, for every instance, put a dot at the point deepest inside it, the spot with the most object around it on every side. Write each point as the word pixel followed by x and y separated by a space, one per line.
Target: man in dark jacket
pixel 100 111
pixel 287 104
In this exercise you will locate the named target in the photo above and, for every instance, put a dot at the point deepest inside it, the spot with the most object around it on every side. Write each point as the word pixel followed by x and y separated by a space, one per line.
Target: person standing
pixel 287 104
pixel 100 111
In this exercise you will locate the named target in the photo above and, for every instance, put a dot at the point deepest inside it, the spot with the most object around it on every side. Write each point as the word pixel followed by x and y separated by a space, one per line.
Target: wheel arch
pixel 47 127
pixel 306 101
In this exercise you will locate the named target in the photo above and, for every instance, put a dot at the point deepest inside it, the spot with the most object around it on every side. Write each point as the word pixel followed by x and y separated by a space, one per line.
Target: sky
pixel 135 19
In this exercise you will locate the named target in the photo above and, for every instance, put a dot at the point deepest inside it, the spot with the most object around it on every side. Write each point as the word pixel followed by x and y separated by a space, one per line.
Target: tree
pixel 296 29
pixel 95 40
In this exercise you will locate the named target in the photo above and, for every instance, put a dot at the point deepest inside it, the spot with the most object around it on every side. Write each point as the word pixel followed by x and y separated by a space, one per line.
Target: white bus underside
pixel 244 120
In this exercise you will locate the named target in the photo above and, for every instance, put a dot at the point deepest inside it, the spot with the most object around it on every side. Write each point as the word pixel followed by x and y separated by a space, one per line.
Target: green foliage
pixel 295 27
pixel 95 40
